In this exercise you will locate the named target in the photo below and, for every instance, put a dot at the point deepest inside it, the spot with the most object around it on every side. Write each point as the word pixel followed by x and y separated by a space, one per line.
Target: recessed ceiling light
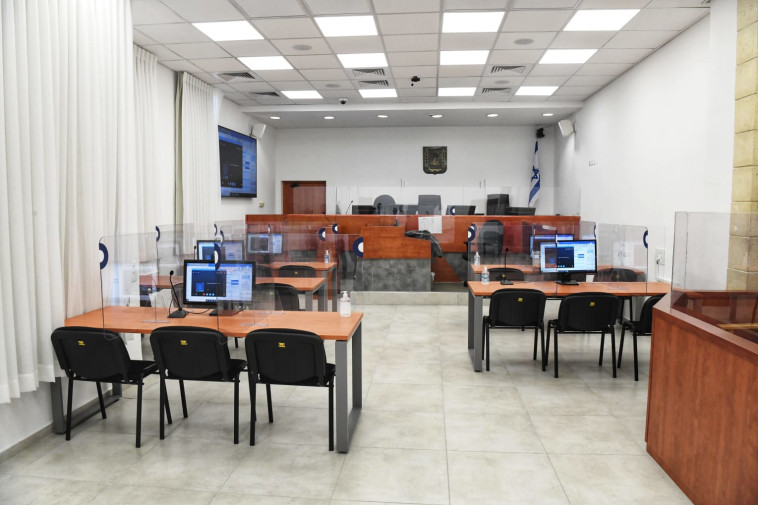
pixel 463 57
pixel 492 114
pixel 523 42
pixel 307 94
pixel 265 62
pixel 328 117
pixel 346 26
pixel 363 60
pixel 567 55
pixel 548 114
pixel 471 22
pixel 274 117
pixel 378 93
pixel 456 91
pixel 435 116
pixel 229 30
pixel 600 20
pixel 382 116
pixel 536 90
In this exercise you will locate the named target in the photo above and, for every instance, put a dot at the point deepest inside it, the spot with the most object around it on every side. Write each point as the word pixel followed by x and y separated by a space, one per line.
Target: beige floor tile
pixel 400 430
pixel 19 490
pixel 584 435
pixel 405 397
pixel 482 400
pixel 491 433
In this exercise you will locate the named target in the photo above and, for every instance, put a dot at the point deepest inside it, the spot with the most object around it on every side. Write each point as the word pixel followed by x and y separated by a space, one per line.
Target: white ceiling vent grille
pixel 236 76
pixel 502 91
pixel 374 84
pixel 265 94
pixel 519 69
pixel 365 72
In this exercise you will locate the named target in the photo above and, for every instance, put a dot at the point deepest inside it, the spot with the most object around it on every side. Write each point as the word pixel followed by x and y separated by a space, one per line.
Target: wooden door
pixel 304 197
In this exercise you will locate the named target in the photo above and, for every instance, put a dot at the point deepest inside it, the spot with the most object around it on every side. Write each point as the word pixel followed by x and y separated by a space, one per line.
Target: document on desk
pixel 432 224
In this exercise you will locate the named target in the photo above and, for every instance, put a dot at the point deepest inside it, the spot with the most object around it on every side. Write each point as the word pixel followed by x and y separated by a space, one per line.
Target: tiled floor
pixel 432 431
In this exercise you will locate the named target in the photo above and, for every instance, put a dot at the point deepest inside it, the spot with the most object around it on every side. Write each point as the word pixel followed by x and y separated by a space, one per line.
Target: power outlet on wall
pixel 261 204
pixel 659 256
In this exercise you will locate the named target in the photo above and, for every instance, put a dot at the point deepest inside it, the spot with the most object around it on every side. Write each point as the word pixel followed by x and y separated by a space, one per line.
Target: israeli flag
pixel 534 193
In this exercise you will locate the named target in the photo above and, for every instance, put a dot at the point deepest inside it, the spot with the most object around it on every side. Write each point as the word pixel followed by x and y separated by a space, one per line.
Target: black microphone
pixel 348 207
pixel 179 312
pixel 504 281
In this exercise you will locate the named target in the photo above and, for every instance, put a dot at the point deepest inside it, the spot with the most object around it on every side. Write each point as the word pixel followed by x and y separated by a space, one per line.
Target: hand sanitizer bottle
pixel 477 259
pixel 345 305
pixel 485 275
pixel 326 256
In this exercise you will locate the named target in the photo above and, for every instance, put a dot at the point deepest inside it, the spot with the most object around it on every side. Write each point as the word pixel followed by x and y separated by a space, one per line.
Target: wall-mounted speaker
pixel 566 127
pixel 258 130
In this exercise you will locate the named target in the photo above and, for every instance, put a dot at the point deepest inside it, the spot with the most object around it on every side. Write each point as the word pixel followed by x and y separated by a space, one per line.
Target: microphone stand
pixel 179 312
pixel 504 281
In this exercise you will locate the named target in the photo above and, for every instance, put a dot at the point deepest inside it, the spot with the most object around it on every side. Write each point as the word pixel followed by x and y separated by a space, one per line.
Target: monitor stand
pixel 224 309
pixel 564 279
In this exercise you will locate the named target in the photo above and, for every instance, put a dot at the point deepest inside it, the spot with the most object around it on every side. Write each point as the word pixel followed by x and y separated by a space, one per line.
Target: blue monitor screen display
pixel 233 281
pixel 238 155
pixel 579 256
pixel 231 250
pixel 261 243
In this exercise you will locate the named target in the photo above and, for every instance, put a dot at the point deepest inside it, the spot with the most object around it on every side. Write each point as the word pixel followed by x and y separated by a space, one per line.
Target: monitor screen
pixel 231 250
pixel 261 243
pixel 238 155
pixel 205 249
pixel 233 282
pixel 536 240
pixel 579 256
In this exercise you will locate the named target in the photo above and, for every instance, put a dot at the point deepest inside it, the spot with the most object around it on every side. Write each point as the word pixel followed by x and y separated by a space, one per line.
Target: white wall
pixel 660 135
pixel 371 161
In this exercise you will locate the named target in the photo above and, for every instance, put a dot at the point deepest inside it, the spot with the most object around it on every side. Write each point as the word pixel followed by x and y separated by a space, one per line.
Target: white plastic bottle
pixel 477 259
pixel 485 275
pixel 345 309
pixel 327 258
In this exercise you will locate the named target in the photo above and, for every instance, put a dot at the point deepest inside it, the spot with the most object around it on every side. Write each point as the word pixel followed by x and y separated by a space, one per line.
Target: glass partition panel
pixel 173 245
pixel 621 253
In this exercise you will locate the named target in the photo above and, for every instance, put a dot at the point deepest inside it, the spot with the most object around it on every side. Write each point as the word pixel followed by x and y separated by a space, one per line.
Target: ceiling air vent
pixel 374 84
pixel 519 69
pixel 502 91
pixel 265 94
pixel 363 72
pixel 235 76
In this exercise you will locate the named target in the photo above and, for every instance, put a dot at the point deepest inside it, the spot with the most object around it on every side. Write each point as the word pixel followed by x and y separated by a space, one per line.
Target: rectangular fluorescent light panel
pixel 567 56
pixel 456 91
pixel 536 90
pixel 464 57
pixel 600 20
pixel 363 60
pixel 471 22
pixel 265 62
pixel 378 93
pixel 308 94
pixel 346 26
pixel 229 30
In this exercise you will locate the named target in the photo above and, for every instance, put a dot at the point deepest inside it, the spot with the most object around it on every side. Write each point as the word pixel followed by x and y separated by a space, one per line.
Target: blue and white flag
pixel 534 193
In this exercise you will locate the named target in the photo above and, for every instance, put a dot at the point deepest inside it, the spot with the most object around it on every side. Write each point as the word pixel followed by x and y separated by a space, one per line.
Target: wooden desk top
pixel 318 266
pixel 552 288
pixel 328 325
pixel 299 283
pixel 527 269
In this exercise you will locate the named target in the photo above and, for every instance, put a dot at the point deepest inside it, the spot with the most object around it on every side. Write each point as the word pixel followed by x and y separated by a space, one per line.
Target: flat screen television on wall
pixel 238 154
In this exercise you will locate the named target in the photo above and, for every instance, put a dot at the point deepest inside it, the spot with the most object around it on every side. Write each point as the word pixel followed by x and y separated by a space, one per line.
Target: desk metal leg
pixel 347 419
pixel 323 298
pixel 475 330
pixel 309 300
pixel 335 293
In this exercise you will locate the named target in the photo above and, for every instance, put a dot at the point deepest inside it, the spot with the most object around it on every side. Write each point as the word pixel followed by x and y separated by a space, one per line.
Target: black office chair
pixel 199 354
pixel 490 241
pixel 385 204
pixel 619 274
pixel 644 326
pixel 507 273
pixel 285 296
pixel 263 270
pixel 429 205
pixel 585 313
pixel 297 271
pixel 288 357
pixel 516 308
pixel 497 204
pixel 98 355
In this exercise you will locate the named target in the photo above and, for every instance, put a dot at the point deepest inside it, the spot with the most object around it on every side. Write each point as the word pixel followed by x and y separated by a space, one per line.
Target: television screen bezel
pixel 565 243
pixel 216 302
pixel 238 194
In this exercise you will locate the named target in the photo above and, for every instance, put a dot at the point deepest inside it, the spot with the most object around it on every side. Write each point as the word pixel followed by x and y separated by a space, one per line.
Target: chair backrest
pixel 189 352
pixel 588 312
pixel 286 356
pixel 511 274
pixel 263 270
pixel 285 296
pixel 429 205
pixel 497 204
pixel 385 204
pixel 90 353
pixel 297 271
pixel 645 324
pixel 616 275
pixel 517 307
pixel 490 239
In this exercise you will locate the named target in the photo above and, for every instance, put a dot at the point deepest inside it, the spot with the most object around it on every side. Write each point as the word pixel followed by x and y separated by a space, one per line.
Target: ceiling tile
pixel 416 92
pixel 235 96
pixel 319 7
pixel 540 40
pixel 203 10
pixel 209 78
pixel 543 4
pixel 544 80
pixel 181 66
pixel 314 61
pixel 353 45
pixel 346 92
pixel 269 9
pixel 162 53
pixel 246 102
pixel 401 24
pixel 589 80
pixel 150 12
pixel 457 82
pixel 408 72
pixel 557 69
pixel 516 98
pixel 249 48
pixel 425 82
pixel 657 4
pixel 141 39
pixel 461 70
pixel 329 74
pixel 289 85
pixel 287 28
pixel 619 55
pixel 466 41
pixel 665 19
pixel 220 65
pixel 629 39
pixel 279 75
pixel 260 87
pixel 577 90
pixel 413 58
pixel 515 56
pixel 614 4
pixel 175 33
pixel 501 81
pixel 604 69
pixel 226 88
pixel 297 46
pixel 581 40
pixel 198 50
pixel 390 6
pixel 423 42
pixel 469 5
pixel 536 21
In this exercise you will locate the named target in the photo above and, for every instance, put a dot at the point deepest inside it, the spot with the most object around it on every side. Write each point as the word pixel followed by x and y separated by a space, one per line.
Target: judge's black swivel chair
pixel 490 241
pixel 497 204
pixel 429 205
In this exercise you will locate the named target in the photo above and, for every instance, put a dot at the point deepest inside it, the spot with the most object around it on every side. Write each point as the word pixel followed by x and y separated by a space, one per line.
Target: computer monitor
pixel 536 240
pixel 364 209
pixel 567 257
pixel 264 243
pixel 231 250
pixel 230 286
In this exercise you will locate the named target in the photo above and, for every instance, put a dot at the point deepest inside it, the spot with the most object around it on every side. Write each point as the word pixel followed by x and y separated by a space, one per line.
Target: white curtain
pixel 145 85
pixel 198 179
pixel 66 169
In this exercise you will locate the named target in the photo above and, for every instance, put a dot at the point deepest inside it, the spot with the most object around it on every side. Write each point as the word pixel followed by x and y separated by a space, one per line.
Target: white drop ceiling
pixel 409 34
